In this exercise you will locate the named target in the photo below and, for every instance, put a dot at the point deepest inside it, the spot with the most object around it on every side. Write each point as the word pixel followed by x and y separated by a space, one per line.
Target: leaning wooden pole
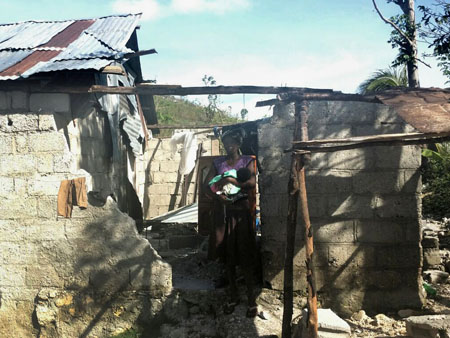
pixel 293 190
pixel 312 320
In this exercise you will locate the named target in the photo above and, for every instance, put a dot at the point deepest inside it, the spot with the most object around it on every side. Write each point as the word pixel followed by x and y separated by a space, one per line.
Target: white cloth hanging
pixel 188 152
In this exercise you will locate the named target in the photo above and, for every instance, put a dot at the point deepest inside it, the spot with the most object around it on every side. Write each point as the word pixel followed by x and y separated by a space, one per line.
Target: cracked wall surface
pixel 364 206
pixel 92 274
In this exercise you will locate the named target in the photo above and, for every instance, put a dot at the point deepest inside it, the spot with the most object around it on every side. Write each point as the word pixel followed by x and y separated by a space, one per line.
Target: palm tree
pixel 384 79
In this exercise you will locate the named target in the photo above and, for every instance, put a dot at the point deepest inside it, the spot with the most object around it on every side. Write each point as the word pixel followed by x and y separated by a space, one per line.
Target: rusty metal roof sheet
pixel 426 109
pixel 32 47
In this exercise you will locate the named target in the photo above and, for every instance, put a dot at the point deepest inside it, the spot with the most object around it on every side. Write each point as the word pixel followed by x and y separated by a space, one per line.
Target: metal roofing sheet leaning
pixel 34 35
pixel 186 214
pixel 115 31
pixel 9 58
pixel 426 109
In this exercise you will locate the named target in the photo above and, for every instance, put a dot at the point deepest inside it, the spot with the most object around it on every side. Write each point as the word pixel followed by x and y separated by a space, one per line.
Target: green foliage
pixel 436 31
pixel 436 179
pixel 384 79
pixel 405 50
pixel 131 333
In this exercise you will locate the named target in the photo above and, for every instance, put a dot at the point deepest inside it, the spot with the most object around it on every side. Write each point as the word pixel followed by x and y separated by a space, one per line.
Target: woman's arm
pixel 247 185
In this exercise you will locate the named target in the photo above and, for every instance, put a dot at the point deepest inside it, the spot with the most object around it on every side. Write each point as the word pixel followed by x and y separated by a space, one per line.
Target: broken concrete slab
pixel 435 276
pixel 430 326
pixel 330 325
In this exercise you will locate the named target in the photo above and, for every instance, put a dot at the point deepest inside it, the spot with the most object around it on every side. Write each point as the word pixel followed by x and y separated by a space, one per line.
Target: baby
pixel 230 190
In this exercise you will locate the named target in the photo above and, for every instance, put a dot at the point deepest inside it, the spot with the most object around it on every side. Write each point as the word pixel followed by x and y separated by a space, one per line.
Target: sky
pixel 305 43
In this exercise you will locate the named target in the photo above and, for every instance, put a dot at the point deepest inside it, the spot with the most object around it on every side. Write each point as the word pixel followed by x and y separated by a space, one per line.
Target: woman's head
pixel 232 140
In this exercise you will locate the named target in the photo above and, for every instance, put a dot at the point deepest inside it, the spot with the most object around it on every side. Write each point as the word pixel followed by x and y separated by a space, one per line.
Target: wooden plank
pixel 327 149
pixel 194 126
pixel 316 96
pixel 140 53
pixel 371 138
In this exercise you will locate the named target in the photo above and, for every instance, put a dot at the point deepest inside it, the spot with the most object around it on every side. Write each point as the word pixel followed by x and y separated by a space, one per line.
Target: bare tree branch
pixel 393 24
pixel 426 64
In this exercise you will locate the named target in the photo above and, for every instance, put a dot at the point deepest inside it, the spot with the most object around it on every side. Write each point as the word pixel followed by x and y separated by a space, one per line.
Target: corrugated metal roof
pixel 186 214
pixel 32 47
pixel 426 109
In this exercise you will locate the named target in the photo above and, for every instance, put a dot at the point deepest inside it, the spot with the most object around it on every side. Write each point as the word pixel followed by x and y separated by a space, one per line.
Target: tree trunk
pixel 407 7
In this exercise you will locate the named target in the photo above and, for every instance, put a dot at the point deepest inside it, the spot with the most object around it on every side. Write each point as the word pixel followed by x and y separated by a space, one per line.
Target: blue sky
pixel 308 43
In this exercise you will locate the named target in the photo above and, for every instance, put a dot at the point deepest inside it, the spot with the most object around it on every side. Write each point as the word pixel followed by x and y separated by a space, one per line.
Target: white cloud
pixel 150 9
pixel 153 9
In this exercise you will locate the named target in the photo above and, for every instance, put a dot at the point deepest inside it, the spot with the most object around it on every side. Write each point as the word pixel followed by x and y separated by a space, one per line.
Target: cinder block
pixel 44 186
pixel 21 143
pixel 398 256
pixel 19 100
pixel 4 102
pixel 328 181
pixel 6 144
pixel 18 207
pixel 47 141
pixel 46 102
pixel 46 207
pixel 275 137
pixel 333 232
pixel 317 131
pixel 44 163
pixel 317 205
pixel 383 231
pixel 15 253
pixel 43 276
pixel 388 206
pixel 6 186
pixel 12 275
pixel 11 231
pixel 158 189
pixel 350 206
pixel 44 230
pixel 20 186
pixel 407 157
pixel 430 242
pixel 20 122
pixel 352 256
pixel 168 167
pixel 431 257
pixel 385 114
pixel 378 182
pixel 47 122
pixel 354 159
pixel 18 164
pixel 384 280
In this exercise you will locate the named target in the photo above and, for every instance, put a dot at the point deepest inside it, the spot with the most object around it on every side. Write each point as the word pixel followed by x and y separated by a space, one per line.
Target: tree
pixel 404 37
pixel 384 79
pixel 436 31
pixel 213 99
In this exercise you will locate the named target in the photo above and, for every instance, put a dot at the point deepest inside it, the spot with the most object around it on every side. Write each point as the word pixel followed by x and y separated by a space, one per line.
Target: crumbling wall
pixel 364 206
pixel 88 275
pixel 160 186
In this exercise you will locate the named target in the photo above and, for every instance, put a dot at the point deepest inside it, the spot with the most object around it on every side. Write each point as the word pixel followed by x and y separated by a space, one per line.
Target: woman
pixel 232 239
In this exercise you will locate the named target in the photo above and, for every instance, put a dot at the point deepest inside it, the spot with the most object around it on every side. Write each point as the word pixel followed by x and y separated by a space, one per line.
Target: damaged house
pixel 61 276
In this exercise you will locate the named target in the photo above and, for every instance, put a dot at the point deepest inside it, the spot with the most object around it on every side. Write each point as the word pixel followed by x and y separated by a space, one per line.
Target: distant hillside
pixel 172 110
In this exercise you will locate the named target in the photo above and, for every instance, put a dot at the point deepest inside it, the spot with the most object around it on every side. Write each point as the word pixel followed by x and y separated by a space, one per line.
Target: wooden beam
pixel 140 53
pixel 221 90
pixel 327 149
pixel 194 126
pixel 370 138
pixel 316 96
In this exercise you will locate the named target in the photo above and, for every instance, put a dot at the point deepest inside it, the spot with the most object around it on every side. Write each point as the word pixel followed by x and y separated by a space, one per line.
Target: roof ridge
pixel 85 19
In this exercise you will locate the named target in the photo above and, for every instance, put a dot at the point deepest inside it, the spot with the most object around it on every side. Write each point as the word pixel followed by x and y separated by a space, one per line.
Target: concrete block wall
pixel 159 183
pixel 66 272
pixel 364 206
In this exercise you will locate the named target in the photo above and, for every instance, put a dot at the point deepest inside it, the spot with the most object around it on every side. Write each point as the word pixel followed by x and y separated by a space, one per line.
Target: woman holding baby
pixel 233 239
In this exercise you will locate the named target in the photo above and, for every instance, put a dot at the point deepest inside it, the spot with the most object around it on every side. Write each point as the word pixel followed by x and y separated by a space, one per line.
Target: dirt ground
pixel 195 310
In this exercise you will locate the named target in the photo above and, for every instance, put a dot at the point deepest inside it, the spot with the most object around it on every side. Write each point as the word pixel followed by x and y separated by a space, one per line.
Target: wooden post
pixel 293 190
pixel 312 320
pixel 296 188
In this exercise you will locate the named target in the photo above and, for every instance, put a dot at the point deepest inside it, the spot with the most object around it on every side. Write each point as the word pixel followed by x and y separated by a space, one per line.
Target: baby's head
pixel 243 175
